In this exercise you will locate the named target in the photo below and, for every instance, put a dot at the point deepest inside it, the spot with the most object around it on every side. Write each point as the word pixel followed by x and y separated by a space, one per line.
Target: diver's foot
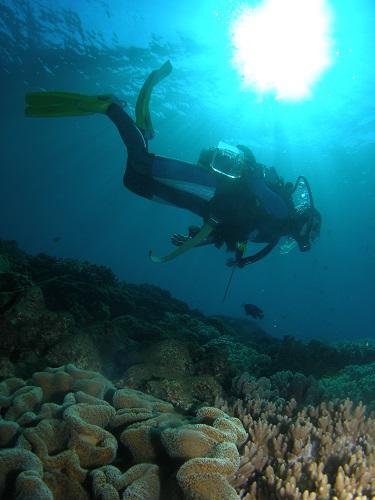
pixel 113 99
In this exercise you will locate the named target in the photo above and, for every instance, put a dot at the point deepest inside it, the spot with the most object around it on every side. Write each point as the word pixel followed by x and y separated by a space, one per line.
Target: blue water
pixel 62 178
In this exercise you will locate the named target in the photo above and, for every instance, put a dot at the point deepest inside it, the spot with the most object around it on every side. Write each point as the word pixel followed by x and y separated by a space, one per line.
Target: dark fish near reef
pixel 254 311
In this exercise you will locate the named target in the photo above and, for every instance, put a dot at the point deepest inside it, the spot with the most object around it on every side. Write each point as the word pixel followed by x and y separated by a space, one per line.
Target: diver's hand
pixel 231 262
pixel 178 239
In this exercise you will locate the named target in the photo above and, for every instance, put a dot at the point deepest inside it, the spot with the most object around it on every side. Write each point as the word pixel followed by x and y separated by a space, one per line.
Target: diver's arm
pixel 251 259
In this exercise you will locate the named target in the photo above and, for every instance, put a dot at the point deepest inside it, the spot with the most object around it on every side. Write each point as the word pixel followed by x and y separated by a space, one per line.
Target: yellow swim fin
pixel 142 107
pixel 57 104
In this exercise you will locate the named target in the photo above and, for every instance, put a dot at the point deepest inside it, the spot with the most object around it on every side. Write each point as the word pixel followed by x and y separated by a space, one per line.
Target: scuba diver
pixel 239 200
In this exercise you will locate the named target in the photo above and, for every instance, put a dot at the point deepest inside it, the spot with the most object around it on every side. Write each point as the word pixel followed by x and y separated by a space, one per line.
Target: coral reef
pixel 61 431
pixel 59 311
pixel 327 451
pixel 162 428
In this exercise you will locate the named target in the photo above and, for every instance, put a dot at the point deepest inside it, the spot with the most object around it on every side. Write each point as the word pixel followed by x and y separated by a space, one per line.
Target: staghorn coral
pixel 321 452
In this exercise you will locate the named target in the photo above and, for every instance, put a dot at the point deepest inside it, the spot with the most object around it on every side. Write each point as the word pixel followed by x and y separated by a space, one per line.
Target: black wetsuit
pixel 173 181
pixel 242 207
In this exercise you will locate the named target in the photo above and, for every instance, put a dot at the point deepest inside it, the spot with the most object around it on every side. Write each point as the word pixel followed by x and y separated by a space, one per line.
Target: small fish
pixel 254 311
pixel 56 239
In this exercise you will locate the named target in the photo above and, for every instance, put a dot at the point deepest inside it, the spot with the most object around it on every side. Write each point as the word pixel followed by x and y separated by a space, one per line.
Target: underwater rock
pixel 79 349
pixel 12 285
pixel 7 368
pixel 4 265
pixel 27 326
pixel 186 392
pixel 168 371
pixel 57 311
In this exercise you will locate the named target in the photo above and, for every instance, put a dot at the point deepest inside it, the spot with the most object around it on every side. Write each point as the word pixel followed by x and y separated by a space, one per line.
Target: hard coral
pixel 318 452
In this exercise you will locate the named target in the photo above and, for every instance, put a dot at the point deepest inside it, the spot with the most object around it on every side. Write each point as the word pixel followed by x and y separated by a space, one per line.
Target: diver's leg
pixel 182 184
pixel 136 144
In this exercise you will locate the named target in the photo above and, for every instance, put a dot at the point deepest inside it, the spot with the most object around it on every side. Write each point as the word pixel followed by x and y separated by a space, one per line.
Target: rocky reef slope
pixel 113 390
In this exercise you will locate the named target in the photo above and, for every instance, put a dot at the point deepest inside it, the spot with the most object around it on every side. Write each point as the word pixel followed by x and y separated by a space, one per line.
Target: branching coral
pixel 318 452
